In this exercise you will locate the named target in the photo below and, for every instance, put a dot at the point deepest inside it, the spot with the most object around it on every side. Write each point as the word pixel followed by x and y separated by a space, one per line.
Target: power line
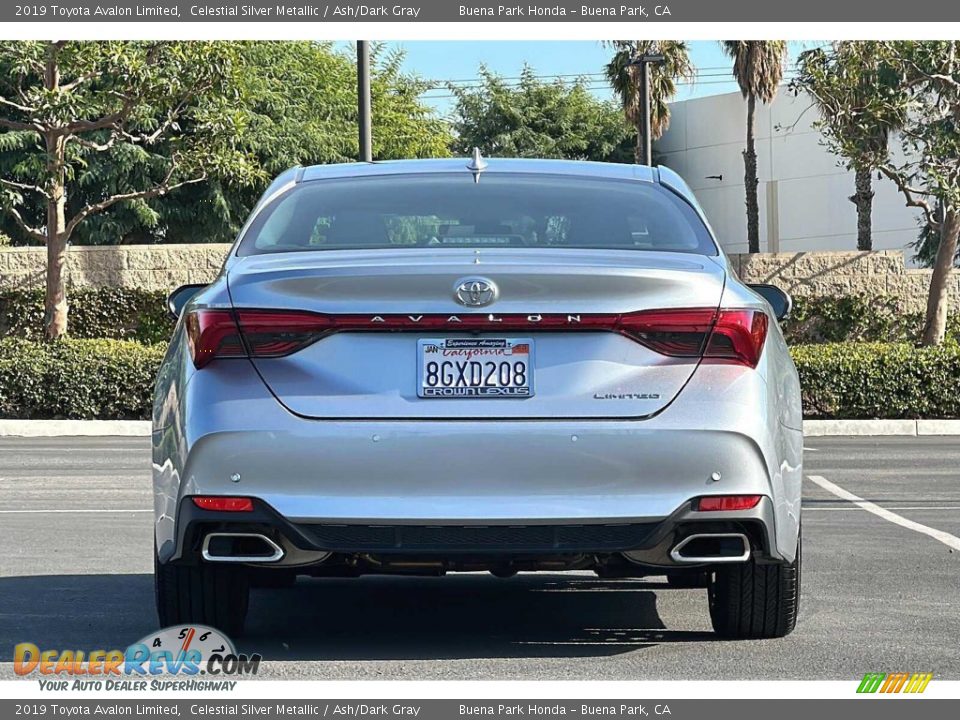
pixel 595 85
pixel 706 71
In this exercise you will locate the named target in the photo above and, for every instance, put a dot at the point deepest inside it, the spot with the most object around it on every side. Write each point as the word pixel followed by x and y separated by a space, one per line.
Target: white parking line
pixel 951 541
pixel 913 507
pixel 42 512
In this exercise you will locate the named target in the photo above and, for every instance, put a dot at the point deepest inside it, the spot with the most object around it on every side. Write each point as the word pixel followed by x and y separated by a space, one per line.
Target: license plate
pixel 475 368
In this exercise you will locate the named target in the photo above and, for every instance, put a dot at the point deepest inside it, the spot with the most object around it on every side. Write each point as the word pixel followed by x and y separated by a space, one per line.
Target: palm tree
pixel 625 81
pixel 758 68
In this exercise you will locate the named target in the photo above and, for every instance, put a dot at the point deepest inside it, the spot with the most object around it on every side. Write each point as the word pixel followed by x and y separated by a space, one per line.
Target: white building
pixel 803 191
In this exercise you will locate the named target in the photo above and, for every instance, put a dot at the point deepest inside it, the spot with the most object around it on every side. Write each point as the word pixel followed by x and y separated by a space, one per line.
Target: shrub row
pixel 855 318
pixel 118 313
pixel 113 379
pixel 80 379
pixel 879 380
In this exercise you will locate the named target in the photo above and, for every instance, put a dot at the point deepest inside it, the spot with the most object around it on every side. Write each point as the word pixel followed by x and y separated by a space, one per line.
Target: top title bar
pixel 181 11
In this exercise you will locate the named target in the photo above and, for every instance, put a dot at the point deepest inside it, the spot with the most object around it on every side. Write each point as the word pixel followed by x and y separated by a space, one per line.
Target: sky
pixel 458 62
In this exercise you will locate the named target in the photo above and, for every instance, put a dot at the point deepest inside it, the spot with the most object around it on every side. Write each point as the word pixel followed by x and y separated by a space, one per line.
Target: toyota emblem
pixel 475 291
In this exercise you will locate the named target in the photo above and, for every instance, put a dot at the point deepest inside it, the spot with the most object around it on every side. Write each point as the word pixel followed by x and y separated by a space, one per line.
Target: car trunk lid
pixel 381 305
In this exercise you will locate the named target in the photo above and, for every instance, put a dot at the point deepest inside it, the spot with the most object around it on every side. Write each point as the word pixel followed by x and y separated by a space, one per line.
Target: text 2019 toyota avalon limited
pixel 459 365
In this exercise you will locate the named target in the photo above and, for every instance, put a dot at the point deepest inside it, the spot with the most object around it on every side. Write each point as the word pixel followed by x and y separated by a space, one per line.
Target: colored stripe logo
pixel 894 682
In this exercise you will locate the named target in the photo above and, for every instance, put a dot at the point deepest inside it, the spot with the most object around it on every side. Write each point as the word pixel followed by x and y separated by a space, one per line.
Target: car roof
pixel 494 165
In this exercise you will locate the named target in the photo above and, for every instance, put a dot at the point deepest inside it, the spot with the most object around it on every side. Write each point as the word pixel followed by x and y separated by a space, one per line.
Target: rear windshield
pixel 501 210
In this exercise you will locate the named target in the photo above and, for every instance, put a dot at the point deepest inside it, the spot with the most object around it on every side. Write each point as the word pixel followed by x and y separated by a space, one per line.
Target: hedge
pixel 113 379
pixel 855 318
pixel 879 380
pixel 81 379
pixel 119 313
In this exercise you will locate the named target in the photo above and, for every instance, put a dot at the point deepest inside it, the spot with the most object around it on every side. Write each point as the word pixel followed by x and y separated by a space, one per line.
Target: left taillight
pixel 215 334
pixel 212 334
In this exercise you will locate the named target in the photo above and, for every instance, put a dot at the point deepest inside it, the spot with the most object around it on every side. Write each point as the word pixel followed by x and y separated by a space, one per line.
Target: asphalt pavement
pixel 881 584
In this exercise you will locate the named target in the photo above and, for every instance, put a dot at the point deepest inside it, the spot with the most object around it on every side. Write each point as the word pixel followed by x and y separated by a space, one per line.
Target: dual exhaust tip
pixel 711 548
pixel 234 547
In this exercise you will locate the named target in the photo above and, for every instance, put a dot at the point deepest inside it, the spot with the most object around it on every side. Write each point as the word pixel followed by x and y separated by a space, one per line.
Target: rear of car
pixel 430 366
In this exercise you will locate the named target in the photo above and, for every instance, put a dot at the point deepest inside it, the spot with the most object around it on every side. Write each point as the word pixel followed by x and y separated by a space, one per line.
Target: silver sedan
pixel 436 366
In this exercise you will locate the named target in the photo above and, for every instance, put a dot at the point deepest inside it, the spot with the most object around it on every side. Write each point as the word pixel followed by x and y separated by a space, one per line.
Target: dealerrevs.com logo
pixel 182 657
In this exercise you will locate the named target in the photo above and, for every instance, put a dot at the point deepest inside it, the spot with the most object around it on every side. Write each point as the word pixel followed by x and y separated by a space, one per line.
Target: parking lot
pixel 881 584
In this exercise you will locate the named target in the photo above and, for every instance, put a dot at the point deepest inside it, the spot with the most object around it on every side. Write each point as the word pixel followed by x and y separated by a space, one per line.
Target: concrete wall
pixel 803 189
pixel 150 267
pixel 824 274
pixel 164 267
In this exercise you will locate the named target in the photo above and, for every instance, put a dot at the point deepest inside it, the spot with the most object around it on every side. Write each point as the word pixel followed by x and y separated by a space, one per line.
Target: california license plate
pixel 475 368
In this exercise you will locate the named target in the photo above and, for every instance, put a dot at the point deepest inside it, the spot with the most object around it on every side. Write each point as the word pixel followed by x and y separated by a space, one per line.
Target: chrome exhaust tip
pixel 234 547
pixel 711 548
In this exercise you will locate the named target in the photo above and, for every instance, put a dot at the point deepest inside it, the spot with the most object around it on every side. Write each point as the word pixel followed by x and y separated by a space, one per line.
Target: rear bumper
pixel 475 473
pixel 644 543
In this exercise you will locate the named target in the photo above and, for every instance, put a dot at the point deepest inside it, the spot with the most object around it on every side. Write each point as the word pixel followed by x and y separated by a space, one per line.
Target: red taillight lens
pixel 261 333
pixel 738 337
pixel 223 504
pixel 677 333
pixel 270 333
pixel 721 503
pixel 212 334
pixel 728 336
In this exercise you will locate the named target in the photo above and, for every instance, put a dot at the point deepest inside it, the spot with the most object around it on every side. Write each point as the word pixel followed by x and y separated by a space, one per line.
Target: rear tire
pixel 755 601
pixel 214 595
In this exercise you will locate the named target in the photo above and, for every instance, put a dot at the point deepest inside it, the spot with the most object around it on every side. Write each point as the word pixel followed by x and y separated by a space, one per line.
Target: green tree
pixel 299 107
pixel 824 74
pixel 169 105
pixel 532 118
pixel 624 78
pixel 758 69
pixel 300 104
pixel 924 163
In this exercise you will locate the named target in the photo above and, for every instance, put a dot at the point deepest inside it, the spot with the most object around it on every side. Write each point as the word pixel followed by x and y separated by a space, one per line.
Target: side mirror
pixel 779 300
pixel 179 298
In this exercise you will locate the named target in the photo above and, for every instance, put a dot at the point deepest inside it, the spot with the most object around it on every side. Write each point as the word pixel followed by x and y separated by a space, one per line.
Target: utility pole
pixel 363 101
pixel 644 61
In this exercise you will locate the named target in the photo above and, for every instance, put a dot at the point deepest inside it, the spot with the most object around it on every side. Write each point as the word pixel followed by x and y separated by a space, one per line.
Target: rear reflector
pixel 223 504
pixel 722 503
pixel 726 336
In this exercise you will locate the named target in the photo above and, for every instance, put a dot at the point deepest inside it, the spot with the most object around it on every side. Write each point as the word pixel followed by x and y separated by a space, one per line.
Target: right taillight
pixel 737 337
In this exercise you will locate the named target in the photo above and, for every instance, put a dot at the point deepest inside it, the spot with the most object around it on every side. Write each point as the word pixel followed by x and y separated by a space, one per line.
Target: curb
pixel 870 428
pixel 73 428
pixel 811 428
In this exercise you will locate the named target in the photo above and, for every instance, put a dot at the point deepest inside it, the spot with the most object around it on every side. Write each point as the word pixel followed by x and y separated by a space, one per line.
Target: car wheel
pixel 212 595
pixel 755 601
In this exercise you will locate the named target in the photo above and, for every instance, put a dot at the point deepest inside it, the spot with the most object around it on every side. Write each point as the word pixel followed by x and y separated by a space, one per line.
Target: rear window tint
pixel 501 210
